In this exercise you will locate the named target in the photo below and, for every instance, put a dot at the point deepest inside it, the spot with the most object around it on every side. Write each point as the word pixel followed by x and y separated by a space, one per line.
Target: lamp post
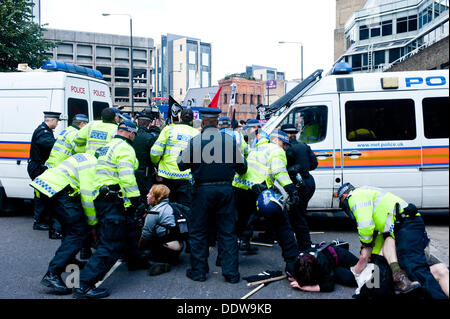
pixel 131 54
pixel 301 52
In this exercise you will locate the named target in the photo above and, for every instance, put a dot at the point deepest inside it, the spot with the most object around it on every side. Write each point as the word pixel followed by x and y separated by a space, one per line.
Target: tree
pixel 21 39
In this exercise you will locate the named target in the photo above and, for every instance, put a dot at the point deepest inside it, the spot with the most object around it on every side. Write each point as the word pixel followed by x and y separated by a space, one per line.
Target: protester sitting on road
pixel 159 234
pixel 317 270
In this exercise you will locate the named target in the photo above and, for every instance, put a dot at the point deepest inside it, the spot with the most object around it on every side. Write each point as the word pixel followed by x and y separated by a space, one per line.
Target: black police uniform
pixel 301 159
pixel 143 142
pixel 42 142
pixel 213 194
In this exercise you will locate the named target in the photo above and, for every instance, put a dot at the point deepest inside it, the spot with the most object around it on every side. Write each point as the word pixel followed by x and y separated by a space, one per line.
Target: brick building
pixel 249 94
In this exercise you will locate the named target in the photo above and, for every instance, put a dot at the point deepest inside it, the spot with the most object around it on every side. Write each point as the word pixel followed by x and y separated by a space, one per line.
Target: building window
pixel 394 54
pixel 386 27
pixel 412 23
pixel 236 98
pixel 181 91
pixel 367 120
pixel 375 32
pixel 380 57
pixel 435 115
pixel 402 25
pixel 181 47
pixel 225 98
pixel 244 99
pixel 259 99
pixel 363 32
pixel 251 99
pixel 356 61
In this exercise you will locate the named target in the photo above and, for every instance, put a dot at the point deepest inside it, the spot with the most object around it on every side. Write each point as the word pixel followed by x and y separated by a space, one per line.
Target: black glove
pixel 293 196
pixel 259 188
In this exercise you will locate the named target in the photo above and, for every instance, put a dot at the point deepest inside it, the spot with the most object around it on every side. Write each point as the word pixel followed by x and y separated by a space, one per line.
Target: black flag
pixel 174 108
pixel 234 123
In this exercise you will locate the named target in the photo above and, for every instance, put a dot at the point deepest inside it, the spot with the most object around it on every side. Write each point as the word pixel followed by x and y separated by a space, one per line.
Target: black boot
pixel 85 292
pixel 158 268
pixel 40 226
pixel 54 234
pixel 55 282
pixel 247 248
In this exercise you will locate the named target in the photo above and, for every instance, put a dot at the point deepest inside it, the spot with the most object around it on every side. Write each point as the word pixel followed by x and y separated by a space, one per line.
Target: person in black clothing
pixel 317 270
pixel 146 136
pixel 213 158
pixel 300 160
pixel 41 145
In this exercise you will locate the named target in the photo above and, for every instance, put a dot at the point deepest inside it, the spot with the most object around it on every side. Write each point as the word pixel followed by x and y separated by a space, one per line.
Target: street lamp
pixel 301 52
pixel 131 54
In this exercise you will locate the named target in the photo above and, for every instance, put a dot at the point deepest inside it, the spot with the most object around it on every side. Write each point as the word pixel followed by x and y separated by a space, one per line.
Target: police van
pixel 24 96
pixel 388 130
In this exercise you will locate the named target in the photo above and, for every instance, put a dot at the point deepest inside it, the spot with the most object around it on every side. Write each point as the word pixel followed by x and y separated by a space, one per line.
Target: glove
pixel 259 188
pixel 293 196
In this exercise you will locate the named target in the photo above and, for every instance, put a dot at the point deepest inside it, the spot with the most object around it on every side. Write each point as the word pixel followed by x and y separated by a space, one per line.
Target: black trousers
pixel 69 212
pixel 159 252
pixel 118 238
pixel 180 191
pixel 280 226
pixel 246 208
pixel 144 182
pixel 410 245
pixel 215 200
pixel 346 260
pixel 297 214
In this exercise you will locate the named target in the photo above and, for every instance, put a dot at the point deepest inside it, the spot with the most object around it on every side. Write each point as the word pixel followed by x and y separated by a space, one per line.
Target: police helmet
pixel 268 203
pixel 344 188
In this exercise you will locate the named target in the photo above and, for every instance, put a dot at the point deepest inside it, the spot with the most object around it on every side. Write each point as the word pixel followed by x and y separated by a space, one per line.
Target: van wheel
pixel 7 205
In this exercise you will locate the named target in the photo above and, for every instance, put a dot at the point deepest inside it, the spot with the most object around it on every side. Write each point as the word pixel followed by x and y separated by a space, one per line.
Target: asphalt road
pixel 25 254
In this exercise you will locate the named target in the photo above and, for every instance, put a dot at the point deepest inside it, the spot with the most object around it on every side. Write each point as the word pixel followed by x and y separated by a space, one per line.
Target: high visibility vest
pixel 374 210
pixel 310 133
pixel 78 171
pixel 171 142
pixel 64 147
pixel 116 165
pixel 94 135
pixel 239 139
pixel 266 163
pixel 361 133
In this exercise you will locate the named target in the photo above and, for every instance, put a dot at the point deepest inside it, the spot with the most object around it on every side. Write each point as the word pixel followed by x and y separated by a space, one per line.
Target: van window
pixel 380 120
pixel 311 121
pixel 76 106
pixel 435 117
pixel 98 108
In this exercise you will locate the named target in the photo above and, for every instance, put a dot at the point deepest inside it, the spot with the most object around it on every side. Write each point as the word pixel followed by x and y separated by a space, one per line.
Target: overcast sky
pixel 242 32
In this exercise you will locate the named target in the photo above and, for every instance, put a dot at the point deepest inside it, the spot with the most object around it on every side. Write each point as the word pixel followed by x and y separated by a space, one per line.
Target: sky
pixel 241 32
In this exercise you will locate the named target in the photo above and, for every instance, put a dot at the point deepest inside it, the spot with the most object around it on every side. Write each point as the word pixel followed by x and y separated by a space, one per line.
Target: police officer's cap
pixel 81 118
pixel 210 112
pixel 52 115
pixel 282 136
pixel 252 123
pixel 118 113
pixel 127 126
pixel 125 116
pixel 224 120
pixel 344 188
pixel 289 128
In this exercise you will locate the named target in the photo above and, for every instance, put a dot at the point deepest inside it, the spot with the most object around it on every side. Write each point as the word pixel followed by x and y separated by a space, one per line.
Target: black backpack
pixel 180 213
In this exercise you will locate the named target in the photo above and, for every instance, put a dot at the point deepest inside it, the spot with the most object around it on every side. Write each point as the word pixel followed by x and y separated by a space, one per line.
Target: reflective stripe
pixel 243 181
pixel 87 204
pixel 59 149
pixel 155 152
pixel 92 218
pixel 64 171
pixel 366 238
pixel 361 205
pixel 125 164
pixel 159 144
pixel 284 179
pixel 279 170
pixel 63 143
pixel 71 167
pixel 277 162
pixel 131 189
pixel 106 172
pixel 86 192
pixel 366 223
pixel 389 221
pixel 126 173
pixel 172 152
pixel 87 166
pixel 257 168
pixel 176 144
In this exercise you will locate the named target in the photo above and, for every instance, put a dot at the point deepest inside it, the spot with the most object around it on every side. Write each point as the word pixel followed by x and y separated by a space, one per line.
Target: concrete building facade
pixel 110 54
pixel 182 63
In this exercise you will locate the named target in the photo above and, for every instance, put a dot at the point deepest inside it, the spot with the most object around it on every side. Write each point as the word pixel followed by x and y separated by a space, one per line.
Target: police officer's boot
pixel 86 292
pixel 54 234
pixel 40 226
pixel 55 282
pixel 403 284
pixel 248 249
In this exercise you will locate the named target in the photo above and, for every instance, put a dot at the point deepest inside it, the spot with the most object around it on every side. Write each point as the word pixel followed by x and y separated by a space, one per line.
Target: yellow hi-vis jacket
pixel 116 165
pixel 78 171
pixel 266 163
pixel 64 147
pixel 374 210
pixel 94 135
pixel 173 139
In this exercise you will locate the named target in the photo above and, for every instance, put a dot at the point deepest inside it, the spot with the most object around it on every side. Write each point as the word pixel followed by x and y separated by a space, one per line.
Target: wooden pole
pixel 253 291
pixel 266 281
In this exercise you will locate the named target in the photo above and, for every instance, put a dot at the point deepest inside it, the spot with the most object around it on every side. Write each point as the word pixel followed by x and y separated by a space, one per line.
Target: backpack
pixel 386 287
pixel 180 213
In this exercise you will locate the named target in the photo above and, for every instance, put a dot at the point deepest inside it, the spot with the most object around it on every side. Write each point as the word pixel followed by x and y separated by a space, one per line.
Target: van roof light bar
pixel 54 65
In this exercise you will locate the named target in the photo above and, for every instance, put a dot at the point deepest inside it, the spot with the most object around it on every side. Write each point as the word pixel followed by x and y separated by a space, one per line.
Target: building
pixel 344 10
pixel 36 11
pixel 183 63
pixel 385 32
pixel 264 73
pixel 110 54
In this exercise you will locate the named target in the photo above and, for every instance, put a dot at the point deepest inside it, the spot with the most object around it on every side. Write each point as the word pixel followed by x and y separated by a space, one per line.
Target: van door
pixel 380 143
pixel 435 150
pixel 314 119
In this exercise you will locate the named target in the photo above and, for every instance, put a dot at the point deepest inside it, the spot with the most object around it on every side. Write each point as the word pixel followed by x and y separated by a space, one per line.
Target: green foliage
pixel 21 39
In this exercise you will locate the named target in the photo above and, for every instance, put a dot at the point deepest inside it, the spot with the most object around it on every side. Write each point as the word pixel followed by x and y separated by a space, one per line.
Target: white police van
pixel 24 96
pixel 388 130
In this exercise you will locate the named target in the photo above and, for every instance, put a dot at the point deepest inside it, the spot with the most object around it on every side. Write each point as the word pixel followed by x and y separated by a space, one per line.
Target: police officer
pixel 145 138
pixel 41 145
pixel 116 198
pixel 173 139
pixel 64 146
pixel 266 164
pixel 387 224
pixel 98 133
pixel 213 157
pixel 69 190
pixel 300 161
pixel 225 127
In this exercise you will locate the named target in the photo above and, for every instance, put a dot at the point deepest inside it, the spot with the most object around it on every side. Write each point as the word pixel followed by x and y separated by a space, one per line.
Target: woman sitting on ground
pixel 159 233
pixel 318 271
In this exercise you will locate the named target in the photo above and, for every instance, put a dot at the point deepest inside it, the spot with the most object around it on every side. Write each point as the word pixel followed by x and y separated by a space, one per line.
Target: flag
pixel 215 99
pixel 174 108
pixel 234 123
